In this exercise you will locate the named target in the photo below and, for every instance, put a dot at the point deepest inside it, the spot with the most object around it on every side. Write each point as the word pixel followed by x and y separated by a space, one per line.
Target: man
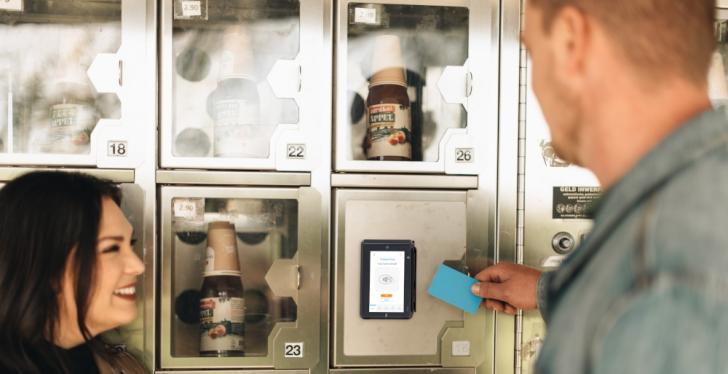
pixel 622 84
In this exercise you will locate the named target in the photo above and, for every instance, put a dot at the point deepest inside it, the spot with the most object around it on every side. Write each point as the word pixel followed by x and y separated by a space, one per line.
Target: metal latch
pixel 284 278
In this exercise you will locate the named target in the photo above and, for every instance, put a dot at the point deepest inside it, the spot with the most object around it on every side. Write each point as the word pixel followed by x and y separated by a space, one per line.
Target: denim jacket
pixel 647 291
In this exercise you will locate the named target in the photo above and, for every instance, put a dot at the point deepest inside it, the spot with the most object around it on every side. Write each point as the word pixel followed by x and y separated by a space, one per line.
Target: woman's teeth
pixel 127 291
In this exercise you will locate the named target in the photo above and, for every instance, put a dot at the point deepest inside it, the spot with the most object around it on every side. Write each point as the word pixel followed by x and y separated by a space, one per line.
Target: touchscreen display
pixel 386 282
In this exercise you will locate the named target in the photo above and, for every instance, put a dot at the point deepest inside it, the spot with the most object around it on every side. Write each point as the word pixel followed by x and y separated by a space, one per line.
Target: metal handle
pixel 121 73
pixel 468 84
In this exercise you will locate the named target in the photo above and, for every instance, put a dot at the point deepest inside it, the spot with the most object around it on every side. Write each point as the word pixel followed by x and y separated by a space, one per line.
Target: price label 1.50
pixel 117 148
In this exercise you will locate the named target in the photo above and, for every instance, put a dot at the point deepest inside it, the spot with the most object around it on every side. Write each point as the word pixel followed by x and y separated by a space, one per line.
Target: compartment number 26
pixel 464 155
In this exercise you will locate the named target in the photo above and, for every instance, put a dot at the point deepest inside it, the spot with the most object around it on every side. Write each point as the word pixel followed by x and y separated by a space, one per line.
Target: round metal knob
pixel 563 243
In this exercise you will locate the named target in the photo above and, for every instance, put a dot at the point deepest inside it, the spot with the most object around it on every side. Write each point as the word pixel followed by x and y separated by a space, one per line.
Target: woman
pixel 67 274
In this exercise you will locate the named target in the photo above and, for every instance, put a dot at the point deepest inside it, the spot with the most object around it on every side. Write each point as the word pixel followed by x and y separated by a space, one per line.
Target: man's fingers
pixel 510 309
pixel 496 273
pixel 488 290
pixel 495 305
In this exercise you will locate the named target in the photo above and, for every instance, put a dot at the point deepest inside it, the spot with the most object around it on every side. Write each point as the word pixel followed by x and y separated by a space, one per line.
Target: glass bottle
pixel 234 105
pixel 72 113
pixel 389 117
pixel 222 305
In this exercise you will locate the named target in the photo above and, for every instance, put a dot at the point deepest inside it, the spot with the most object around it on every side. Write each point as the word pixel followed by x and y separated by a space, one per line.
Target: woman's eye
pixel 111 249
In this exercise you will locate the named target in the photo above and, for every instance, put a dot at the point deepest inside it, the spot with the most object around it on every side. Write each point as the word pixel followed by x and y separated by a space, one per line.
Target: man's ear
pixel 571 39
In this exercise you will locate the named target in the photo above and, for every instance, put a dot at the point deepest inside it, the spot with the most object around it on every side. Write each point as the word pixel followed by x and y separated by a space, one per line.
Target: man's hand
pixel 508 287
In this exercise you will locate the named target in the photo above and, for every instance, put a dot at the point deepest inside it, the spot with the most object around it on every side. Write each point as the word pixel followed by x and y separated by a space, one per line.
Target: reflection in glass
pixel 718 77
pixel 221 61
pixel 428 39
pixel 265 230
pixel 4 104
pixel 50 46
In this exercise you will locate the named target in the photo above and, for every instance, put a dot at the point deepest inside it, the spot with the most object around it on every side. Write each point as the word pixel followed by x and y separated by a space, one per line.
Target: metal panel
pixel 114 175
pixel 505 340
pixel 226 178
pixel 404 181
pixel 543 172
pixel 237 372
pixel 437 221
pixel 403 371
pixel 305 329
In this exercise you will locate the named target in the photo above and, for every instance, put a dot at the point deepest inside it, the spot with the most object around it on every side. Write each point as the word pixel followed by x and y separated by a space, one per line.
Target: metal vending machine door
pixel 279 258
pixel 444 60
pixel 558 202
pixel 71 74
pixel 241 84
pixel 438 336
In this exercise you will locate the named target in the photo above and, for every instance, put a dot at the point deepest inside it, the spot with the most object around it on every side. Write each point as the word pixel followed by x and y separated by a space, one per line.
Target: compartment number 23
pixel 293 350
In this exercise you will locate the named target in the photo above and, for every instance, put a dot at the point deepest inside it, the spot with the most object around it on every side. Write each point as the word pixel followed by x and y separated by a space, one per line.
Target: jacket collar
pixel 692 141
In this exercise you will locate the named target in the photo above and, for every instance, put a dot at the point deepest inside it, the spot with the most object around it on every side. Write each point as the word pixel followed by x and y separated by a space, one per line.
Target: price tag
pixel 464 155
pixel 365 15
pixel 117 148
pixel 184 208
pixel 11 5
pixel 191 8
pixel 293 350
pixel 296 151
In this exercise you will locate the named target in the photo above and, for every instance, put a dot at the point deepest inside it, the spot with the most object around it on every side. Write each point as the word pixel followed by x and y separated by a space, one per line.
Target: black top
pixel 78 359
pixel 82 360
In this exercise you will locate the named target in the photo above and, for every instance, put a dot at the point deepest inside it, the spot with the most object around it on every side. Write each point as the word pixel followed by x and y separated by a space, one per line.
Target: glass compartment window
pixel 48 103
pixel 718 79
pixel 223 53
pixel 205 231
pixel 404 48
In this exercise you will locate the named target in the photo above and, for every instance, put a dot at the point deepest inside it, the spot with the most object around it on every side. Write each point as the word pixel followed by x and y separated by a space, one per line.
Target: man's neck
pixel 625 128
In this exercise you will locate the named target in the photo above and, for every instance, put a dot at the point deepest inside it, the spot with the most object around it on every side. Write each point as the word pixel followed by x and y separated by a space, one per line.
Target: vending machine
pixel 77 94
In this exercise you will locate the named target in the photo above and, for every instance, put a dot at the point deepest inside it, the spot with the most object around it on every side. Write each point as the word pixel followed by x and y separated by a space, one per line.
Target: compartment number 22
pixel 296 151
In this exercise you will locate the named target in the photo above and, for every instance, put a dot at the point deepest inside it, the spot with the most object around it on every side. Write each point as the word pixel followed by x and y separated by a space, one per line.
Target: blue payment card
pixel 453 287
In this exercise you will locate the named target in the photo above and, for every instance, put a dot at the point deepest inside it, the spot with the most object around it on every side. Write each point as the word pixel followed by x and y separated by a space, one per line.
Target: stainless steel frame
pixel 115 175
pixel 477 328
pixel 305 329
pixel 509 177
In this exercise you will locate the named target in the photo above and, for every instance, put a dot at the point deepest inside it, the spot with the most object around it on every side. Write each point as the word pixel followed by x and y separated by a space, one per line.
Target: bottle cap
pixel 236 59
pixel 222 248
pixel 387 61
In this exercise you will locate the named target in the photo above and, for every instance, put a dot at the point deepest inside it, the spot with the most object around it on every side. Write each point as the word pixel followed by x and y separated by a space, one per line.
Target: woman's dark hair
pixel 45 217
